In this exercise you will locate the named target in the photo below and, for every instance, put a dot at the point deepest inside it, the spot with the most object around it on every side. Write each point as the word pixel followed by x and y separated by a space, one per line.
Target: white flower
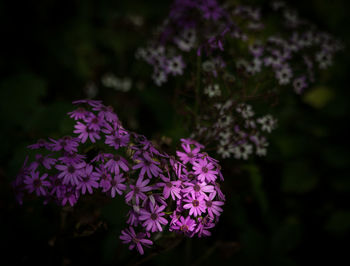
pixel 249 124
pixel 224 121
pixel 245 110
pixel 284 75
pixel 208 66
pixel 119 84
pixel 187 39
pixel 212 90
pixel 255 66
pixel 243 151
pixel 261 145
pixel 159 77
pixel 225 137
pixel 136 20
pixel 324 59
pixel 225 151
pixel 268 123
pixel 109 80
pixel 175 65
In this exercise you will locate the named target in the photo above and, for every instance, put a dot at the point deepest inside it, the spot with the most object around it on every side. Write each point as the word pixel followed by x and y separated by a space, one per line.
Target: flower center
pixel 204 169
pixel 40 159
pixel 196 187
pixel 117 141
pixel 195 203
pixel 81 110
pixel 154 216
pixel 71 169
pixel 169 184
pixel 37 183
pixel 184 228
pixel 135 240
pixel 209 203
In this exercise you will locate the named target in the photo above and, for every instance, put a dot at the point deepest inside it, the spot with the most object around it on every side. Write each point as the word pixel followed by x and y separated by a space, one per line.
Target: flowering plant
pixel 182 194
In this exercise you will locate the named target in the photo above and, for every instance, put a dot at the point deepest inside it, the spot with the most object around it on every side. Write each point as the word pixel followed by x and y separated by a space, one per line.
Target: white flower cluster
pixel 119 84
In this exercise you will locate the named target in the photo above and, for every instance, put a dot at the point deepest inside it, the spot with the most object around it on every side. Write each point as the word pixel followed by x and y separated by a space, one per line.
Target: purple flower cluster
pixel 186 200
pixel 163 192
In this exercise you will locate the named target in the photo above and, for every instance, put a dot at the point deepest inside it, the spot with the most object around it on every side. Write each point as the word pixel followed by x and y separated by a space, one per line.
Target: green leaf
pixel 318 97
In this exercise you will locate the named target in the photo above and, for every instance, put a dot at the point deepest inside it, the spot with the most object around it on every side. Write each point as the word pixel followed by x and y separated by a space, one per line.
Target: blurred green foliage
pixel 290 208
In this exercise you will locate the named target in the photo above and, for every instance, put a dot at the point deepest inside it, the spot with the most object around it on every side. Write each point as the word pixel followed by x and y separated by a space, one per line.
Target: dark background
pixel 290 208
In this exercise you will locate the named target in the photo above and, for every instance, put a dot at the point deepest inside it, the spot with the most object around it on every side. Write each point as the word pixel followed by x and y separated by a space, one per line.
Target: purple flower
pixel 213 206
pixel 133 217
pixel 114 128
pixel 148 147
pixel 88 179
pixel 72 158
pixel 189 155
pixel 195 204
pixel 137 191
pixel 115 163
pixel 85 132
pixel 46 161
pixel 153 218
pixel 197 189
pixel 191 142
pixel 204 223
pixel 69 194
pixel 40 144
pixel 94 122
pixel 89 101
pixel 170 188
pixel 79 113
pixel 117 185
pixel 185 225
pixel 211 9
pixel 106 112
pixel 149 166
pixel 56 185
pixel 203 169
pixel 71 173
pixel 129 236
pixel 67 143
pixel 36 183
pixel 218 190
pixel 117 140
pixel 105 178
pixel 154 198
